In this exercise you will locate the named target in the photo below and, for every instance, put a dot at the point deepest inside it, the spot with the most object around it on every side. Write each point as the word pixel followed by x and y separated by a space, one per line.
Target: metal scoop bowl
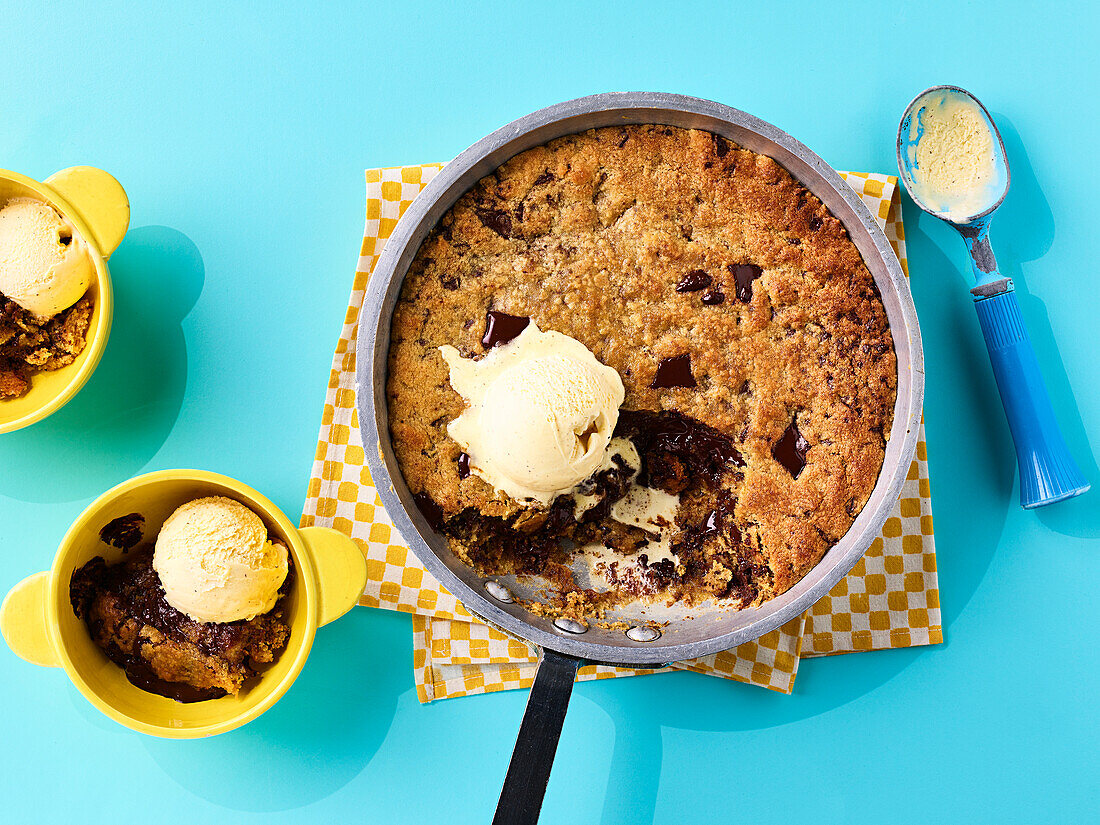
pixel 1048 472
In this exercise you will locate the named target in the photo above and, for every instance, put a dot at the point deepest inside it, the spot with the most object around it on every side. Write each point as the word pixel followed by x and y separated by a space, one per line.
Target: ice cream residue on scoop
pixel 953 157
pixel 216 562
pixel 540 413
pixel 45 266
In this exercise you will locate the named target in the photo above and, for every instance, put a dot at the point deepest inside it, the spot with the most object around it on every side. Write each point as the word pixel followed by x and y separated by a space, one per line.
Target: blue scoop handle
pixel 1048 472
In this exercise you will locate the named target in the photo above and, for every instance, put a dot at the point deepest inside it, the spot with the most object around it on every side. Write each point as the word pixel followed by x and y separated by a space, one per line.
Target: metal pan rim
pixel 537 128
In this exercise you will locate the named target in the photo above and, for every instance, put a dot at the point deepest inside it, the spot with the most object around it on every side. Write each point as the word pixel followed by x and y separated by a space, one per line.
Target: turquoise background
pixel 241 135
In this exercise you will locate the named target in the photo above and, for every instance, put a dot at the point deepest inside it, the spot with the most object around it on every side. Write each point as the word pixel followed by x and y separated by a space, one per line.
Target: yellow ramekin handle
pixel 341 571
pixel 100 200
pixel 23 621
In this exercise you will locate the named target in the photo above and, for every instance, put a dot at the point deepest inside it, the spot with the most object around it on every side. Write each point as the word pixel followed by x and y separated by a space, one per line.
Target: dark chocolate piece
pixel 123 532
pixel 674 448
pixel 430 510
pixel 494 219
pixel 712 297
pixel 694 281
pixel 674 372
pixel 744 275
pixel 500 328
pixel 791 449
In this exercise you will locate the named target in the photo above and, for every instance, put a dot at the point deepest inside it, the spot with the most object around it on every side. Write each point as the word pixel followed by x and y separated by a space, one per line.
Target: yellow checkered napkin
pixel 890 599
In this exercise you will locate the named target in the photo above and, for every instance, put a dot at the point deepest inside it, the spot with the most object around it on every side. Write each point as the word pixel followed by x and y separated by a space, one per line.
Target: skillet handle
pixel 529 771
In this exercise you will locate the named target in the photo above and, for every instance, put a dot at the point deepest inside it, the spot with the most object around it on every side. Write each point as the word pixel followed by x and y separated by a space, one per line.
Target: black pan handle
pixel 529 771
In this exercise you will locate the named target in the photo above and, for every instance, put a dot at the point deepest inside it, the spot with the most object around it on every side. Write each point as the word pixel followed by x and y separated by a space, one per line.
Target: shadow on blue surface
pixel 641 709
pixel 317 738
pixel 119 420
pixel 964 419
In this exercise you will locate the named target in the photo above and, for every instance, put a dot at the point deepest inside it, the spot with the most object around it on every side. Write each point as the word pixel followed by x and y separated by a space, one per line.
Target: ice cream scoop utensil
pixel 963 180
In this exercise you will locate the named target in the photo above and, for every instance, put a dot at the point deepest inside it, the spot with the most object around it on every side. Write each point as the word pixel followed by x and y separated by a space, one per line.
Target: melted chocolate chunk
pixel 742 584
pixel 721 146
pixel 711 524
pixel 712 297
pixel 545 177
pixel 609 485
pixel 674 448
pixel 717 521
pixel 791 449
pixel 744 275
pixel 674 372
pixel 123 532
pixel 494 219
pixel 463 465
pixel 430 510
pixel 694 281
pixel 560 518
pixel 500 328
pixel 721 517
pixel 659 573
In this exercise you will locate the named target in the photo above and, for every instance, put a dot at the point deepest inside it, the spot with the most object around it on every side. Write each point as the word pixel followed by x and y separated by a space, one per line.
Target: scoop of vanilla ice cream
pixel 955 172
pixel 549 421
pixel 540 413
pixel 216 563
pixel 45 266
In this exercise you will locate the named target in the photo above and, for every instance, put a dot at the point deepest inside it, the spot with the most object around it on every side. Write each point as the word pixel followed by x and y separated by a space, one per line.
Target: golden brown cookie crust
pixel 29 344
pixel 590 235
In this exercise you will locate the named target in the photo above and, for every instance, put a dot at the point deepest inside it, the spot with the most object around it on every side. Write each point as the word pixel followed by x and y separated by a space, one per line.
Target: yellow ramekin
pixel 95 203
pixel 38 622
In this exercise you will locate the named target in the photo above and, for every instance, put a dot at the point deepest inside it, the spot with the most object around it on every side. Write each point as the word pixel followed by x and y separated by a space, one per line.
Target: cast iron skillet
pixel 561 649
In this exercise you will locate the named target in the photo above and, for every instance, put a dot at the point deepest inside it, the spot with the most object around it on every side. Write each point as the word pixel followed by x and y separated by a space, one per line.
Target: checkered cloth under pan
pixel 890 599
